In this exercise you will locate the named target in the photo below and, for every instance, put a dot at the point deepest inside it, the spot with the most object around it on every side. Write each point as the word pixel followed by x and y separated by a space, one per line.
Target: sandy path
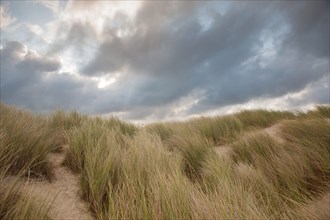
pixel 223 150
pixel 275 132
pixel 317 209
pixel 62 192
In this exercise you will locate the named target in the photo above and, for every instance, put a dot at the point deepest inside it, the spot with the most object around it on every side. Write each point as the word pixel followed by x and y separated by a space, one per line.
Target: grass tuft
pixel 25 142
pixel 262 118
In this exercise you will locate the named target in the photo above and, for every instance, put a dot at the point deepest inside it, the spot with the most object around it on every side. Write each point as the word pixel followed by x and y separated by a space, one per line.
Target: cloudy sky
pixel 154 60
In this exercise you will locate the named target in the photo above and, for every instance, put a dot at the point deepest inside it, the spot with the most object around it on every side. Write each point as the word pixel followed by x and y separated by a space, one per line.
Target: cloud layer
pixel 160 60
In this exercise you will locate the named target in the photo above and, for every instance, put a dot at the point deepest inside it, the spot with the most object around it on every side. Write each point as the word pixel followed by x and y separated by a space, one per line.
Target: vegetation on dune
pixel 163 130
pixel 172 170
pixel 321 111
pixel 16 203
pixel 218 130
pixel 262 118
pixel 25 141
pixel 310 141
pixel 194 150
pixel 286 167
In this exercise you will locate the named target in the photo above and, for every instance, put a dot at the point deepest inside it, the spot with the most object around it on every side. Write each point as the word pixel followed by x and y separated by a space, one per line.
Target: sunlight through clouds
pixel 104 82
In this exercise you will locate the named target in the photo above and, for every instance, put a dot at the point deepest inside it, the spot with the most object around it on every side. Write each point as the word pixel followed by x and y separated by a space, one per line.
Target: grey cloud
pixel 77 35
pixel 24 81
pixel 32 61
pixel 309 27
pixel 170 54
pixel 150 50
pixel 182 56
pixel 15 53
pixel 276 80
pixel 173 57
pixel 314 93
pixel 171 41
pixel 11 52
pixel 19 65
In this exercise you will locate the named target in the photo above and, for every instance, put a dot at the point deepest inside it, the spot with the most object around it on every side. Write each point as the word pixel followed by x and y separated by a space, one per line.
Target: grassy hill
pixel 250 165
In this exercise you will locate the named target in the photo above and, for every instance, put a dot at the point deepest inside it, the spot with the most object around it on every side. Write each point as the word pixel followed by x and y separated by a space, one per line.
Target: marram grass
pixel 173 170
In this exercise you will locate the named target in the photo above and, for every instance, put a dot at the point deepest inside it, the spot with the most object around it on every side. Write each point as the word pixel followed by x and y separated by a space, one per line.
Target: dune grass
pixel 262 118
pixel 194 150
pixel 25 142
pixel 310 139
pixel 142 178
pixel 321 111
pixel 163 130
pixel 171 170
pixel 221 130
pixel 298 169
pixel 218 130
pixel 15 203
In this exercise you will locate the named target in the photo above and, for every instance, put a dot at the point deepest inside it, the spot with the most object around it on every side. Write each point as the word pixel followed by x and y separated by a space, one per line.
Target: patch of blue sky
pixel 206 14
pixel 30 12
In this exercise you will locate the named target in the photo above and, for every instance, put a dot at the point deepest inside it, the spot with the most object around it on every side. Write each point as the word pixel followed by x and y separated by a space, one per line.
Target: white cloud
pixel 35 29
pixel 184 104
pixel 302 100
pixel 99 14
pixel 5 18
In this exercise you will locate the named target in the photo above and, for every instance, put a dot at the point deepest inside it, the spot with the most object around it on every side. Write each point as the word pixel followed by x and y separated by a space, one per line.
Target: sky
pixel 145 61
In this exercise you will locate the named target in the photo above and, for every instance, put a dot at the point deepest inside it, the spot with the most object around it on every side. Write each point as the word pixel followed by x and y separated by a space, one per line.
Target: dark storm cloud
pixel 278 79
pixel 309 27
pixel 171 46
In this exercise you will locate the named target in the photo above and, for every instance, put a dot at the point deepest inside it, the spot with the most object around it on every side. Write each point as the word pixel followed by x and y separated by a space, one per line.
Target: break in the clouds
pixel 161 60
